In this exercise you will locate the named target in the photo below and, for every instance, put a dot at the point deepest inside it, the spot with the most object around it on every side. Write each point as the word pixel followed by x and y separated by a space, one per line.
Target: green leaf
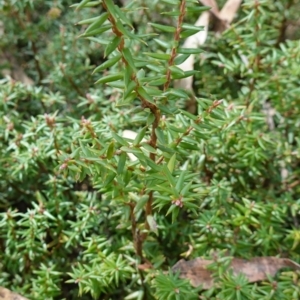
pixel 130 87
pixel 141 203
pixel 152 91
pixel 181 58
pixel 96 24
pixel 176 128
pixel 109 178
pixel 169 176
pixel 128 75
pixel 192 27
pixel 128 57
pixel 152 164
pixel 97 31
pixel 149 148
pixel 141 92
pixel 112 46
pixel 157 82
pixel 80 5
pixel 110 150
pixel 172 2
pixel 128 99
pixel 186 33
pixel 189 115
pixel 107 64
pixel 186 188
pixel 190 50
pixel 156 68
pixel 176 92
pixel 164 28
pixel 171 13
pixel 165 149
pixel 140 74
pixel 119 139
pixel 117 84
pixel 110 78
pixel 160 135
pixel 122 16
pixel 188 146
pixel 171 163
pixel 76 153
pixel 163 43
pixel 176 71
pixel 160 56
pixel 88 21
pixel 180 181
pixel 111 7
pixel 131 150
pixel 126 32
pixel 186 74
pixel 150 119
pixel 197 9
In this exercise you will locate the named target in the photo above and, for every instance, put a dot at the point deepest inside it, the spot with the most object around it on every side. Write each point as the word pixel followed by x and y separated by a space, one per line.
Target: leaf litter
pixel 255 269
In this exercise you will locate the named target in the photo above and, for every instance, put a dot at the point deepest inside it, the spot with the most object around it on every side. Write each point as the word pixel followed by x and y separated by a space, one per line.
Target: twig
pixel 176 39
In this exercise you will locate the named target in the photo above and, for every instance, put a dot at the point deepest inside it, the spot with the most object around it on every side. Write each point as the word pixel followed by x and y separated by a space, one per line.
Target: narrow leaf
pixel 110 150
pixel 190 50
pixel 127 55
pixel 110 78
pixel 97 24
pixel 112 46
pixel 121 163
pixel 181 58
pixel 171 163
pixel 107 64
pixel 160 56
pixel 164 28
pixel 140 136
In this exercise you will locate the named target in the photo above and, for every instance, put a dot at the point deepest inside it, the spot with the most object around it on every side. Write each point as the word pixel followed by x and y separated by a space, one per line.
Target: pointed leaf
pixel 172 162
pixel 121 163
pixel 140 136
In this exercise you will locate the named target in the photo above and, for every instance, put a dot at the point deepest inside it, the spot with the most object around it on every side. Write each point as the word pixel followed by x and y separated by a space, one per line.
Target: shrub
pixel 79 215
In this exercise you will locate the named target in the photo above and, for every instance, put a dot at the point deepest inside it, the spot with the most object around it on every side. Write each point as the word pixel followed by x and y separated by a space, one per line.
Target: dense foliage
pixel 80 219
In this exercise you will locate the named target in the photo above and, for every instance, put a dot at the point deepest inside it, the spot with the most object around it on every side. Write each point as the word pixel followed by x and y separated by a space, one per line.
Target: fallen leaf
pixel 229 10
pixel 15 71
pixel 193 41
pixel 255 269
pixel 6 294
pixel 211 3
pixel 196 271
pixel 221 20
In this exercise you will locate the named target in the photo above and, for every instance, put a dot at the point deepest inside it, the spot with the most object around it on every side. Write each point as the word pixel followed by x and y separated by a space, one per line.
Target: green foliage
pixel 80 219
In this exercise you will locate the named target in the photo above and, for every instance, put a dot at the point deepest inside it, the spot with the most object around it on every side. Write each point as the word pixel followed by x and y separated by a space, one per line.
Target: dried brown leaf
pixel 196 271
pixel 254 270
pixel 211 3
pixel 229 10
pixel 6 294
pixel 227 13
pixel 193 41
pixel 221 20
pixel 15 71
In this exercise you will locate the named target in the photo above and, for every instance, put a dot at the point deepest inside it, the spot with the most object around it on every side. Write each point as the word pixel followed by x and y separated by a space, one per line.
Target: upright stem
pixel 176 42
pixel 155 110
